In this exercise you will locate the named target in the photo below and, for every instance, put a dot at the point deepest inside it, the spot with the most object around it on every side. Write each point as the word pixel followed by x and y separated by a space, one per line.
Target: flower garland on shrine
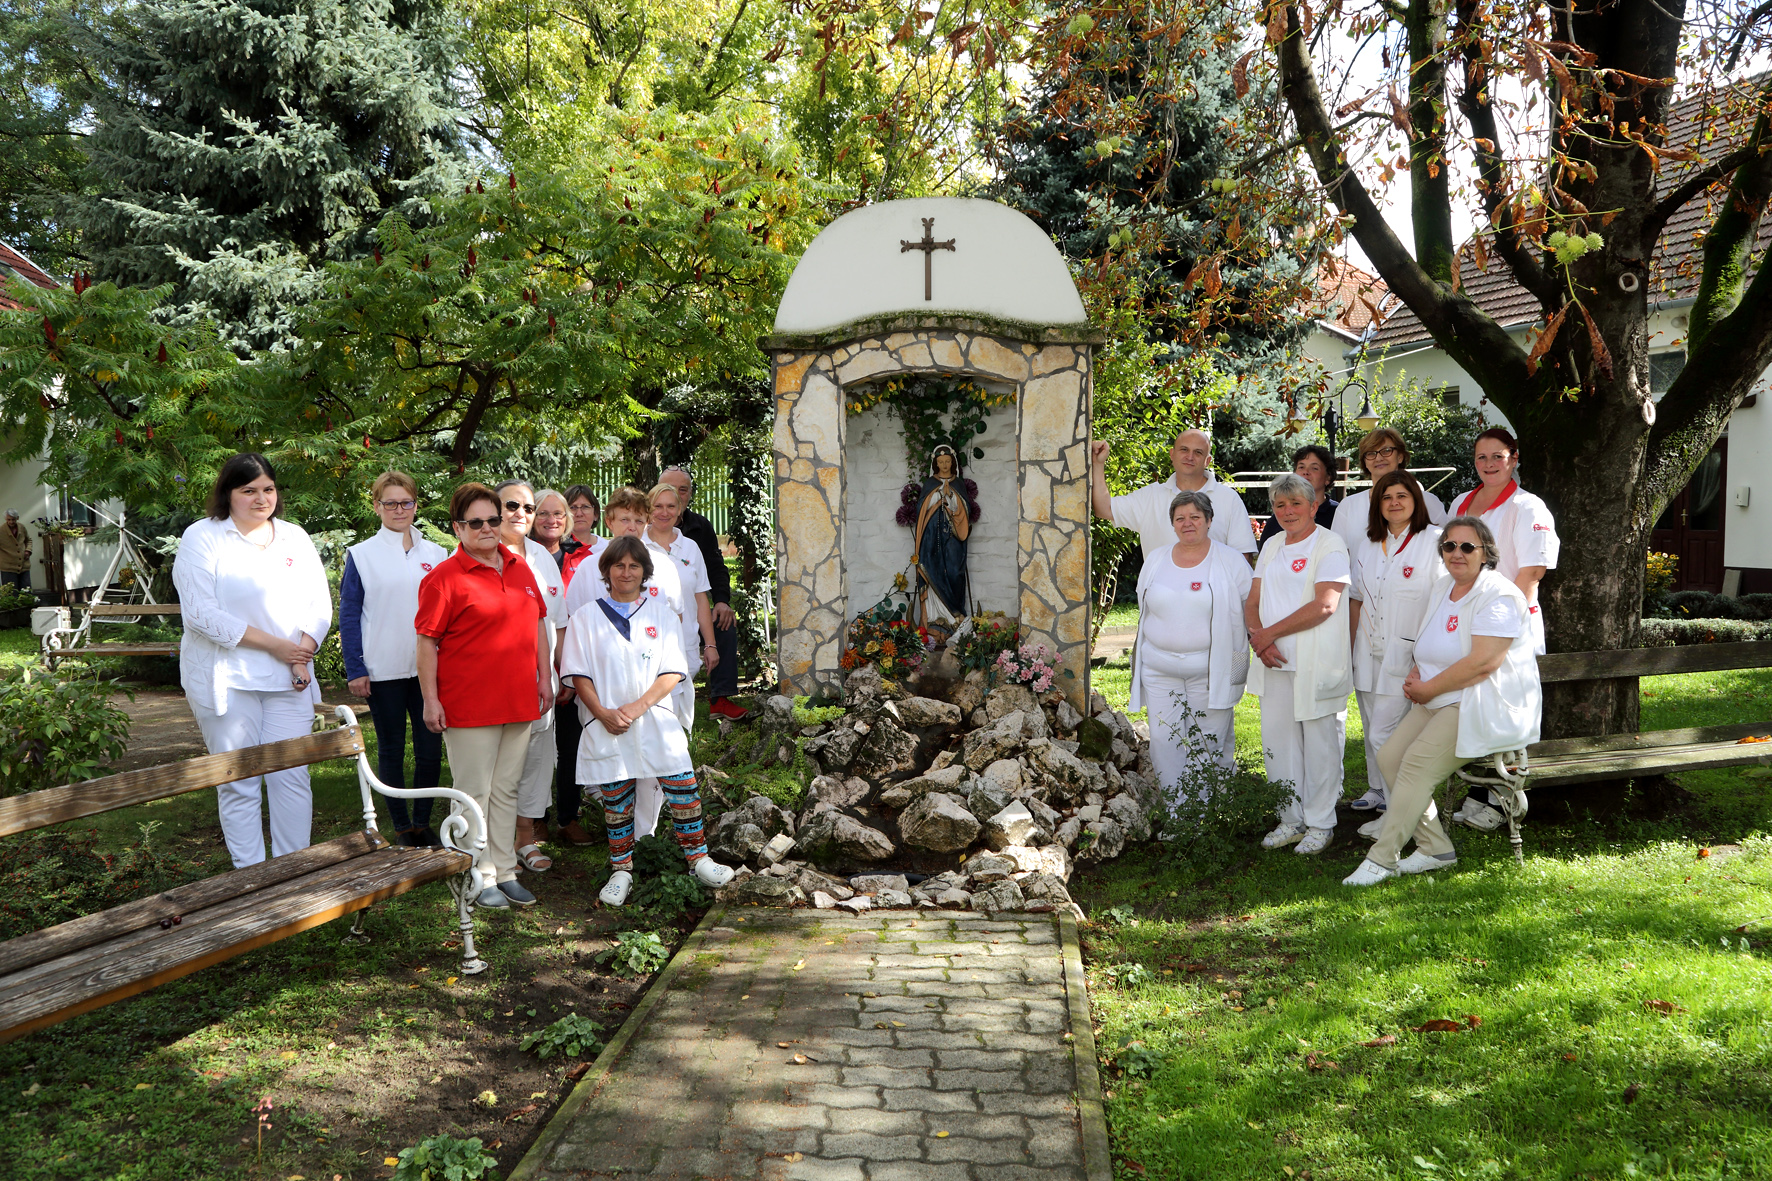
pixel 933 411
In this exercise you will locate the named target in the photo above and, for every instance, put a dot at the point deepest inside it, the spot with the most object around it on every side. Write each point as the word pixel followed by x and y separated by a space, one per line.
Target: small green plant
pixel 1137 1060
pixel 1131 975
pixel 1119 916
pixel 16 598
pixel 666 897
pixel 56 730
pixel 572 1035
pixel 806 714
pixel 636 953
pixel 444 1158
pixel 54 876
pixel 1219 808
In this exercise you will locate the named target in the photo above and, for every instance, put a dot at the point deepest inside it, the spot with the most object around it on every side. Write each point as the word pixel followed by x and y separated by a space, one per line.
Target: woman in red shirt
pixel 486 674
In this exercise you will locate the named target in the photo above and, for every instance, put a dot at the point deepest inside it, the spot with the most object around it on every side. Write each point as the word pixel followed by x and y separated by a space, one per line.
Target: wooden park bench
pixel 59 972
pixel 61 644
pixel 1626 756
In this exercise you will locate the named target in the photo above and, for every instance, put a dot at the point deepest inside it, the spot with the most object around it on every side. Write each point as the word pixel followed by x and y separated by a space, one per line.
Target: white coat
pixel 1227 577
pixel 1324 673
pixel 1503 711
pixel 1394 598
pixel 623 670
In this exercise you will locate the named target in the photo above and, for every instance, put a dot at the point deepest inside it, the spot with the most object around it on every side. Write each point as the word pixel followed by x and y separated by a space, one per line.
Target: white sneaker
pixel 1286 834
pixel 1480 816
pixel 712 873
pixel 1419 862
pixel 1371 829
pixel 1372 801
pixel 1314 840
pixel 1370 873
pixel 615 893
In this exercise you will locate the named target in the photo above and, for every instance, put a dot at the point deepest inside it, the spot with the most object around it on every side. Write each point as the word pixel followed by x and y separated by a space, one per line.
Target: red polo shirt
pixel 484 623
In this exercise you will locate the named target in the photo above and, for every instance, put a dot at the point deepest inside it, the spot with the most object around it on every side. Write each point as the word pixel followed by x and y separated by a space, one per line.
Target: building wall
pixel 83 561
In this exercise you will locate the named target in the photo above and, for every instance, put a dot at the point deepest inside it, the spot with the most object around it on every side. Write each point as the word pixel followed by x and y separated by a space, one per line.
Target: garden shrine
pixel 932 376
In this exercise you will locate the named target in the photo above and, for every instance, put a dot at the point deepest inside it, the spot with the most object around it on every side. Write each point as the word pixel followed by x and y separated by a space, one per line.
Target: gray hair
pixel 503 484
pixel 1198 499
pixel 542 494
pixel 1485 538
pixel 12 514
pixel 1290 485
pixel 687 474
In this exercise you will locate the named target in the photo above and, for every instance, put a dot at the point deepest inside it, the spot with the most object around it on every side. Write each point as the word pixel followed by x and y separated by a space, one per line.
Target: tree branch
pixel 1728 245
pixel 1430 180
pixel 1695 184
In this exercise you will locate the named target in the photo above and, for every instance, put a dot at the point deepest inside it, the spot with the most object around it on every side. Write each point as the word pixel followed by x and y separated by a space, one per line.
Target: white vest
pixel 1501 712
pixel 390 574
pixel 1393 602
pixel 1227 576
pixel 1324 677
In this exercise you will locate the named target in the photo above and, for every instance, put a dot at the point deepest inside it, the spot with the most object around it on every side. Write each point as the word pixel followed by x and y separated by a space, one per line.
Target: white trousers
pixel 1305 754
pixel 1379 715
pixel 1174 701
pixel 253 718
pixel 649 797
pixel 485 764
pixel 538 772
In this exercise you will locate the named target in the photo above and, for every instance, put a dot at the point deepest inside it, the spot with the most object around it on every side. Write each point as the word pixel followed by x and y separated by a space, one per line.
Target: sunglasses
pixel 1463 547
pixel 479 522
pixel 517 506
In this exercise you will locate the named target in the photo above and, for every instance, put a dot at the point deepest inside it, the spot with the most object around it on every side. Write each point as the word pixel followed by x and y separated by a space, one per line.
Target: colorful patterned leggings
pixel 684 799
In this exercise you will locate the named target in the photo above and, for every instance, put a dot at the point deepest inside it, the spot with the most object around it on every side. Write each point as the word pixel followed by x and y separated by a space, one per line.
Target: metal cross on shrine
pixel 928 246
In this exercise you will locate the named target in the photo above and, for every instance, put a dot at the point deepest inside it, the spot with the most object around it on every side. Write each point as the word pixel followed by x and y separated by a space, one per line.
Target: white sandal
pixel 534 860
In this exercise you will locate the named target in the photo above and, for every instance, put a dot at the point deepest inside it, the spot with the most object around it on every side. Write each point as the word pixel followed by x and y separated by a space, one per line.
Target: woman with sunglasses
pixel 377 602
pixel 1526 547
pixel 1395 567
pixel 1473 690
pixel 485 667
pixel 1297 619
pixel 520 504
pixel 1381 452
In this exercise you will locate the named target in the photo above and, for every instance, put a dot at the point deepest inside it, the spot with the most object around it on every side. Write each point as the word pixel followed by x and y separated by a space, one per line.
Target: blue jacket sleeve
pixel 350 620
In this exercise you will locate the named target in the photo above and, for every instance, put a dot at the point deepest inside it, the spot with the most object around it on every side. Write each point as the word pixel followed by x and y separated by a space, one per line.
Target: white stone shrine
pixel 942 288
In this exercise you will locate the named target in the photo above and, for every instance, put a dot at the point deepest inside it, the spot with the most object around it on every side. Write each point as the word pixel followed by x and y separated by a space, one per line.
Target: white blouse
pixel 623 669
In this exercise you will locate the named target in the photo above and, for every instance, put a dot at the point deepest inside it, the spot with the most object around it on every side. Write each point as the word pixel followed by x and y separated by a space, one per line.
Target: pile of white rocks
pixel 967 796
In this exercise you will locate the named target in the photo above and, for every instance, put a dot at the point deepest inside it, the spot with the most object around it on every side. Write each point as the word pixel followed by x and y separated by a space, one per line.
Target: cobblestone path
pixel 918 1047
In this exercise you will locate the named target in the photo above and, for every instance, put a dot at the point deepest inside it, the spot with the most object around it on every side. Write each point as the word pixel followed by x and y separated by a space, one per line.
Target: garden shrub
pixel 1208 829
pixel 1664 633
pixel 55 730
pixel 444 1158
pixel 58 875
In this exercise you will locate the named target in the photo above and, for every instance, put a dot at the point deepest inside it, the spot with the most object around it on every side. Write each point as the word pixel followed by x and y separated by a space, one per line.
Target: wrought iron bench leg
pixel 357 934
pixel 462 886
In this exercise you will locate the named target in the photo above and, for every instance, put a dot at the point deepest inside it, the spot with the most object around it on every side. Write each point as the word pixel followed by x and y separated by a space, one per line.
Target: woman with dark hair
pixel 256 607
pixel 1394 567
pixel 485 669
pixel 945 512
pixel 627 647
pixel 1381 452
pixel 583 541
pixel 1316 463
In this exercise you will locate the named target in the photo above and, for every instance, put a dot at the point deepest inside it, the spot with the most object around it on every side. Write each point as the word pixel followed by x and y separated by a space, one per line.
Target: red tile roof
pixel 15 265
pixel 1673 270
pixel 1349 299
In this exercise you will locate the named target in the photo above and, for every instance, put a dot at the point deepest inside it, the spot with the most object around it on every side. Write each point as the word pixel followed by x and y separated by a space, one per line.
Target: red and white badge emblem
pixel 653 591
pixel 552 589
pixel 1533 609
pixel 1298 564
pixel 1194 585
pixel 652 633
pixel 1541 528
pixel 289 561
pixel 425 565
pixel 1408 572
pixel 1451 623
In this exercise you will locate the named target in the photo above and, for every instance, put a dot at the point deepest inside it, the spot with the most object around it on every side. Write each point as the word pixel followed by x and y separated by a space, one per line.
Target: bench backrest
pixel 38 809
pixel 104 609
pixel 1653 662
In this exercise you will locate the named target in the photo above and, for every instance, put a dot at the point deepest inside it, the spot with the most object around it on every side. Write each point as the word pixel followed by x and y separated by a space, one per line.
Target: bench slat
pixel 1651 740
pixel 87 979
pixel 1633 765
pixel 117 650
pixel 40 947
pixel 1652 662
pixel 53 805
pixel 103 609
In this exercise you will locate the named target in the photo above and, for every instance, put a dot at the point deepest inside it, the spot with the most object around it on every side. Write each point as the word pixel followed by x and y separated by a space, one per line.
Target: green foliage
pixel 444 1158
pixel 42 79
pixel 636 953
pixel 573 1035
pixel 1663 633
pixel 1438 434
pixel 51 877
pixel 1129 975
pixel 16 598
pixel 667 897
pixel 934 412
pixel 1116 916
pixel 1659 572
pixel 56 729
pixel 1134 1058
pixel 1208 829
pixel 807 714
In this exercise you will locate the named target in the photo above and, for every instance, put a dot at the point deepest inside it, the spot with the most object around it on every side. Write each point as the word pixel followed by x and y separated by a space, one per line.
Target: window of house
pixel 1663 368
pixel 75 511
pixel 1448 396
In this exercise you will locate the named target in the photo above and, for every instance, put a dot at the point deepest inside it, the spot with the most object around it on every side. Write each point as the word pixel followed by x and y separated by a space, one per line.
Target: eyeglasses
pixel 1463 547
pixel 479 522
pixel 551 515
pixel 517 506
pixel 1382 453
pixel 398 506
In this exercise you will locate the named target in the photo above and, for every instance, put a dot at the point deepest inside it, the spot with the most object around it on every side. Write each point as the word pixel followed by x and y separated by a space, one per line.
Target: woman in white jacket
pixel 256 608
pixel 1395 565
pixel 1297 618
pixel 626 647
pixel 1191 657
pixel 1475 692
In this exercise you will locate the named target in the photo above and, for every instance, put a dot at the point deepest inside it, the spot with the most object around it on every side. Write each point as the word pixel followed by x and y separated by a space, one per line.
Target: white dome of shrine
pixel 980 258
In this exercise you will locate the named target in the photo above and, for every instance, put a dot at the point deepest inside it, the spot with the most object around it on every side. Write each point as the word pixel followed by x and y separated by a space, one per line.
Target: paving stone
pixel 977 1080
pixel 811 1168
pixel 986 1152
pixel 1027 1173
pixel 878 1123
pixel 979 1059
pixel 1035 1107
pixel 872 1147
pixel 918 1171
pixel 1055 1142
pixel 932 1101
pixel 884 1076
pixel 900 1057
pixel 980 1127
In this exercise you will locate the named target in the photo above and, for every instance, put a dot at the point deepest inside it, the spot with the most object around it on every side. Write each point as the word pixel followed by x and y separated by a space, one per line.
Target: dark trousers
pixel 391 703
pixel 567 795
pixel 723 681
pixel 18 578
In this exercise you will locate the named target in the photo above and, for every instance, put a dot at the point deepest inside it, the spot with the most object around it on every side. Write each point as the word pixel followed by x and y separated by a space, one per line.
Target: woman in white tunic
pixel 1526 548
pixel 1297 617
pixel 1381 452
pixel 626 648
pixel 1394 567
pixel 1191 657
pixel 1475 693
pixel 517 502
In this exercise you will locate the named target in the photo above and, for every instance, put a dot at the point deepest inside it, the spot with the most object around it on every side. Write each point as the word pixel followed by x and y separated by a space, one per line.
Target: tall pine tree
pixel 241 144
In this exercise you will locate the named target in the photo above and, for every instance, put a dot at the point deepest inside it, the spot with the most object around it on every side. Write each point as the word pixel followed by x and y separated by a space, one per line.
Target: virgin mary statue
pixel 945 511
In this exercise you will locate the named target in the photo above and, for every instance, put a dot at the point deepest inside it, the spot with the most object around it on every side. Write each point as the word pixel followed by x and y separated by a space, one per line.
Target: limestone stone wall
pixel 1051 464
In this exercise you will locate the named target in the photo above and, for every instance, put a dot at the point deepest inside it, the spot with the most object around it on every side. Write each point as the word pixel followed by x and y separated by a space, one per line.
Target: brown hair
pixel 575 491
pixel 623 547
pixel 630 498
pixel 1375 526
pixel 1501 435
pixel 393 480
pixel 466 495
pixel 238 472
pixel 1382 435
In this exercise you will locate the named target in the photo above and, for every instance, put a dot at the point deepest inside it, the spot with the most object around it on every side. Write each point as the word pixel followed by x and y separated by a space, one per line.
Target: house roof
pixel 1674 268
pixel 14 265
pixel 1349 299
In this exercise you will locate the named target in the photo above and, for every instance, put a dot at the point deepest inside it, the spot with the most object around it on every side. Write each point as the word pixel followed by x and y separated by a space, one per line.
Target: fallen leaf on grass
pixel 144 1086
pixel 793 1158
pixel 390 1160
pixel 520 1112
pixel 1312 1062
pixel 538 1094
pixel 451 980
pixel 799 965
pixel 577 1072
pixel 1570 1056
pixel 1665 1008
pixel 1389 1039
pixel 1439 1025
pixel 1630 1093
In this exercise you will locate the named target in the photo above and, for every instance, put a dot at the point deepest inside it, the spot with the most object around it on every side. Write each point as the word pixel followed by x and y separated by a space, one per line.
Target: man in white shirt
pixel 1147 509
